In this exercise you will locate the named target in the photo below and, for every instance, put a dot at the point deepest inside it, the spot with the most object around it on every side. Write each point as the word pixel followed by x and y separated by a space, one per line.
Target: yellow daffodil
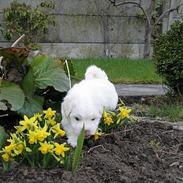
pixel 8 149
pixel 107 118
pixel 15 147
pixel 57 131
pixel 45 147
pixel 49 113
pixel 14 138
pixel 6 157
pixel 60 149
pixel 42 133
pixel 32 137
pixel 38 116
pixel 98 134
pixel 19 148
pixel 52 122
pixel 27 124
pixel 124 112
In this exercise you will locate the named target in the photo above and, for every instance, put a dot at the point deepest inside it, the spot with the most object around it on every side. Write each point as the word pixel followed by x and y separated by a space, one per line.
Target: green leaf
pixel 48 72
pixel 28 83
pixel 3 107
pixel 78 150
pixel 13 94
pixel 28 149
pixel 57 158
pixel 6 166
pixel 32 105
pixel 3 136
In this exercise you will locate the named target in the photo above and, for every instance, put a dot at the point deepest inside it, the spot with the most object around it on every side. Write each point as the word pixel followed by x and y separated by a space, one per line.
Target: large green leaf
pixel 32 105
pixel 13 94
pixel 3 136
pixel 48 72
pixel 28 83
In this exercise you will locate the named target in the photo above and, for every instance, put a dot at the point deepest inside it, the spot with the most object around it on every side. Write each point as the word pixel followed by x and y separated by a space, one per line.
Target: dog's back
pixel 96 83
pixel 93 72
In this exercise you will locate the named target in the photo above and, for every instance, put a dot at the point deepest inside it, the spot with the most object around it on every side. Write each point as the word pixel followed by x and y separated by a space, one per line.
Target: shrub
pixel 168 56
pixel 21 18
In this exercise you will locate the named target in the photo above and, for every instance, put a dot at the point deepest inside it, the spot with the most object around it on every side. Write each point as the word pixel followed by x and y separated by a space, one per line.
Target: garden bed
pixel 144 152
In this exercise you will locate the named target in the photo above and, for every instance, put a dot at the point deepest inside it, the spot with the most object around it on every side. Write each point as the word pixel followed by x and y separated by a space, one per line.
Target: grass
pixel 166 107
pixel 172 112
pixel 121 70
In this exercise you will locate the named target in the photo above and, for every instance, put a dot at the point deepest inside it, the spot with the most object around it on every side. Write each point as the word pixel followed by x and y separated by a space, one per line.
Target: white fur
pixel 85 102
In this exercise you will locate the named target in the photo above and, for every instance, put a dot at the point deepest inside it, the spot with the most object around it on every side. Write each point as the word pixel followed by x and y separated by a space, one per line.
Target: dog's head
pixel 81 112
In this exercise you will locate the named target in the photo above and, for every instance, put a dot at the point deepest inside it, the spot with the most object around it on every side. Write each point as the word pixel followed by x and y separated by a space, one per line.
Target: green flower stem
pixel 6 166
pixel 45 161
pixel 35 154
pixel 31 163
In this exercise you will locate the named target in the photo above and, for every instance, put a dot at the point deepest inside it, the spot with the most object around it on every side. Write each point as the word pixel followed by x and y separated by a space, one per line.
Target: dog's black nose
pixel 87 134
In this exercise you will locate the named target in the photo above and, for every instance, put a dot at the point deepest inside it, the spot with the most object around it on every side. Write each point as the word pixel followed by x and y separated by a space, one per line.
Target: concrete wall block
pixel 92 7
pixel 96 29
pixel 70 50
pixel 76 29
pixel 5 45
pixel 89 7
pixel 97 7
pixel 126 30
pixel 83 50
pixel 125 50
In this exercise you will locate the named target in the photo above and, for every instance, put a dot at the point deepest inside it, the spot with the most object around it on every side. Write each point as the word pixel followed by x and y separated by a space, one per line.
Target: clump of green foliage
pixel 168 56
pixel 26 81
pixel 21 18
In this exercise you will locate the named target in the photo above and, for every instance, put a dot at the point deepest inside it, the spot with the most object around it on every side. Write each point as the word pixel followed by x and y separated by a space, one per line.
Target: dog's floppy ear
pixel 66 106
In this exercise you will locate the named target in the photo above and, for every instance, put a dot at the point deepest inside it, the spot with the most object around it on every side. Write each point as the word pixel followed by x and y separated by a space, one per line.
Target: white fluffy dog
pixel 85 102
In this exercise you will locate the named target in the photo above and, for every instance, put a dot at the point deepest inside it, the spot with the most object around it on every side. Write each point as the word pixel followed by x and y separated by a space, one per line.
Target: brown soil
pixel 123 156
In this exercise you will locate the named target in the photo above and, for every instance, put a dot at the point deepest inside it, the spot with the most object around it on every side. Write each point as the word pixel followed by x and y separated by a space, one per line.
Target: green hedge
pixel 168 56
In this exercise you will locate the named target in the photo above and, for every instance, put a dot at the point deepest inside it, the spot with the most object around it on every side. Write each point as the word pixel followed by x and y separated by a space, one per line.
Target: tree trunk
pixel 148 30
pixel 147 42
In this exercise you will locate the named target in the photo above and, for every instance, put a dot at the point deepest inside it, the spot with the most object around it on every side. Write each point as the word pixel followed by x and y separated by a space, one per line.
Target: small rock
pixel 175 164
pixel 180 148
pixel 124 179
pixel 25 172
pixel 178 128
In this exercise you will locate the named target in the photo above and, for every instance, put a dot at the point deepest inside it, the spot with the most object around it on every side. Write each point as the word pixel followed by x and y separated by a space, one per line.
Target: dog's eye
pixel 77 119
pixel 93 119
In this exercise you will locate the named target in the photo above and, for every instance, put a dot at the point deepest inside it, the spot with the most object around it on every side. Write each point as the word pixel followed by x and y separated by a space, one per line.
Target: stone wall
pixel 92 28
pixel 174 15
